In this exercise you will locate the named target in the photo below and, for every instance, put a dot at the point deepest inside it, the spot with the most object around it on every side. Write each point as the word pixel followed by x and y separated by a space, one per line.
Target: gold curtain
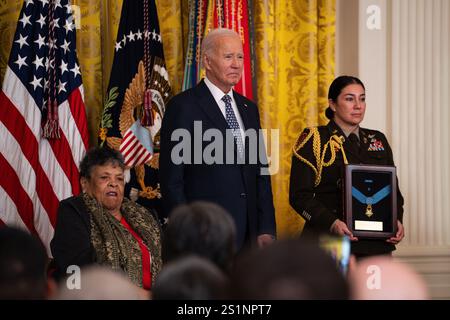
pixel 9 14
pixel 295 65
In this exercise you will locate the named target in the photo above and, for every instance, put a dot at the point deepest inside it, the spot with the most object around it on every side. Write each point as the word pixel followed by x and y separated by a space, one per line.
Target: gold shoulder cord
pixel 334 144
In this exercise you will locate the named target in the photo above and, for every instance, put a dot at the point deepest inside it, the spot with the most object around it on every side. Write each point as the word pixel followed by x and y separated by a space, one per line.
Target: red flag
pixel 38 172
pixel 205 15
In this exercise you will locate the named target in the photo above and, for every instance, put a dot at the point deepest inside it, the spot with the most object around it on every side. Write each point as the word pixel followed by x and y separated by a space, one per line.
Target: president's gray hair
pixel 210 39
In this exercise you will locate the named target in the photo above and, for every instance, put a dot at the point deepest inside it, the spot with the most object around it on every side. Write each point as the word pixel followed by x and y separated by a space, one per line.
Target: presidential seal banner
pixel 137 94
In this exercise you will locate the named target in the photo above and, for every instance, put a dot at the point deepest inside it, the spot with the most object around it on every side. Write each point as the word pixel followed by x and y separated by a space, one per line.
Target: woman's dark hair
pixel 190 278
pixel 336 88
pixel 23 263
pixel 290 269
pixel 99 156
pixel 200 228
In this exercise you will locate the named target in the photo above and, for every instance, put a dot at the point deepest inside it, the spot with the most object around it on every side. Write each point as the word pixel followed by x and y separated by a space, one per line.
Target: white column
pixel 419 103
pixel 372 61
pixel 419 106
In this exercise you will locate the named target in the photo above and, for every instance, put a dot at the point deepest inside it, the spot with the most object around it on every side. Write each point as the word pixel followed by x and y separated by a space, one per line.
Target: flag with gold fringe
pixel 205 15
pixel 43 125
pixel 137 94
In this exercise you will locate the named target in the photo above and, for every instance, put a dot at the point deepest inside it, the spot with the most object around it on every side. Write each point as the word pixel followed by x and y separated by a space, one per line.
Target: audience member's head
pixel 23 262
pixel 383 278
pixel 98 283
pixel 190 278
pixel 289 269
pixel 200 228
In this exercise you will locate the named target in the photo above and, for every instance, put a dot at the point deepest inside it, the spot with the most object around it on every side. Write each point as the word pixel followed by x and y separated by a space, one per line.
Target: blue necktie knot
pixel 227 99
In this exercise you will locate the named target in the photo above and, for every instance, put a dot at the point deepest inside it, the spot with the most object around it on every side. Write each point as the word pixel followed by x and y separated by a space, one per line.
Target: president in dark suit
pixel 197 160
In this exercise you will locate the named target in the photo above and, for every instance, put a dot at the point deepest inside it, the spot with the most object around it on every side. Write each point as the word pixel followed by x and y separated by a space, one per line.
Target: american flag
pixel 38 172
pixel 136 146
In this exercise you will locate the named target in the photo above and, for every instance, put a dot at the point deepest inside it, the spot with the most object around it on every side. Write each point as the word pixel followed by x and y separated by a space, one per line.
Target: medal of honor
pixel 369 201
pixel 369 212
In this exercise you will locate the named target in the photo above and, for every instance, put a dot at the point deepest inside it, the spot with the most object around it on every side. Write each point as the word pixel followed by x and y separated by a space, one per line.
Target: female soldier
pixel 317 166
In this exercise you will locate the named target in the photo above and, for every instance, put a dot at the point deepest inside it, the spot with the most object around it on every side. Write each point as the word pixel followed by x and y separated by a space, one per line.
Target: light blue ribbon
pixel 377 197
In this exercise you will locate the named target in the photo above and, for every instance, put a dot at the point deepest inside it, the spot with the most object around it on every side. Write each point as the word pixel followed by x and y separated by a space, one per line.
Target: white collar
pixel 216 92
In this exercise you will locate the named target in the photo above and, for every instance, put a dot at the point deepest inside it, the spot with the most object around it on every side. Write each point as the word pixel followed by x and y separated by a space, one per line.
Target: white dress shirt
pixel 218 95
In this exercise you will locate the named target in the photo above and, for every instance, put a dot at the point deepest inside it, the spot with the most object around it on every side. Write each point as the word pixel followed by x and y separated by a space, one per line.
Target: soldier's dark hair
pixel 336 88
pixel 100 156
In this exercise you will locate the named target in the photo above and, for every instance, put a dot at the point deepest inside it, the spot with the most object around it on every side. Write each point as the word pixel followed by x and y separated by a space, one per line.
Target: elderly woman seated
pixel 101 226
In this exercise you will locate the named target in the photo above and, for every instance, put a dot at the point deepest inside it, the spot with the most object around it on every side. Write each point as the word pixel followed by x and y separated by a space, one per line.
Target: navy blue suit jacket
pixel 239 188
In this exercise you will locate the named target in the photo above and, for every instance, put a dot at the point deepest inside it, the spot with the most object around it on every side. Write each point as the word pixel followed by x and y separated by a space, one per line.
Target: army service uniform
pixel 317 174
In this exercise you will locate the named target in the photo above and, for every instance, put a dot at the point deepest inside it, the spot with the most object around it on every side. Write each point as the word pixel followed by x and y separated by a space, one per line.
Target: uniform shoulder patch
pixel 303 136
